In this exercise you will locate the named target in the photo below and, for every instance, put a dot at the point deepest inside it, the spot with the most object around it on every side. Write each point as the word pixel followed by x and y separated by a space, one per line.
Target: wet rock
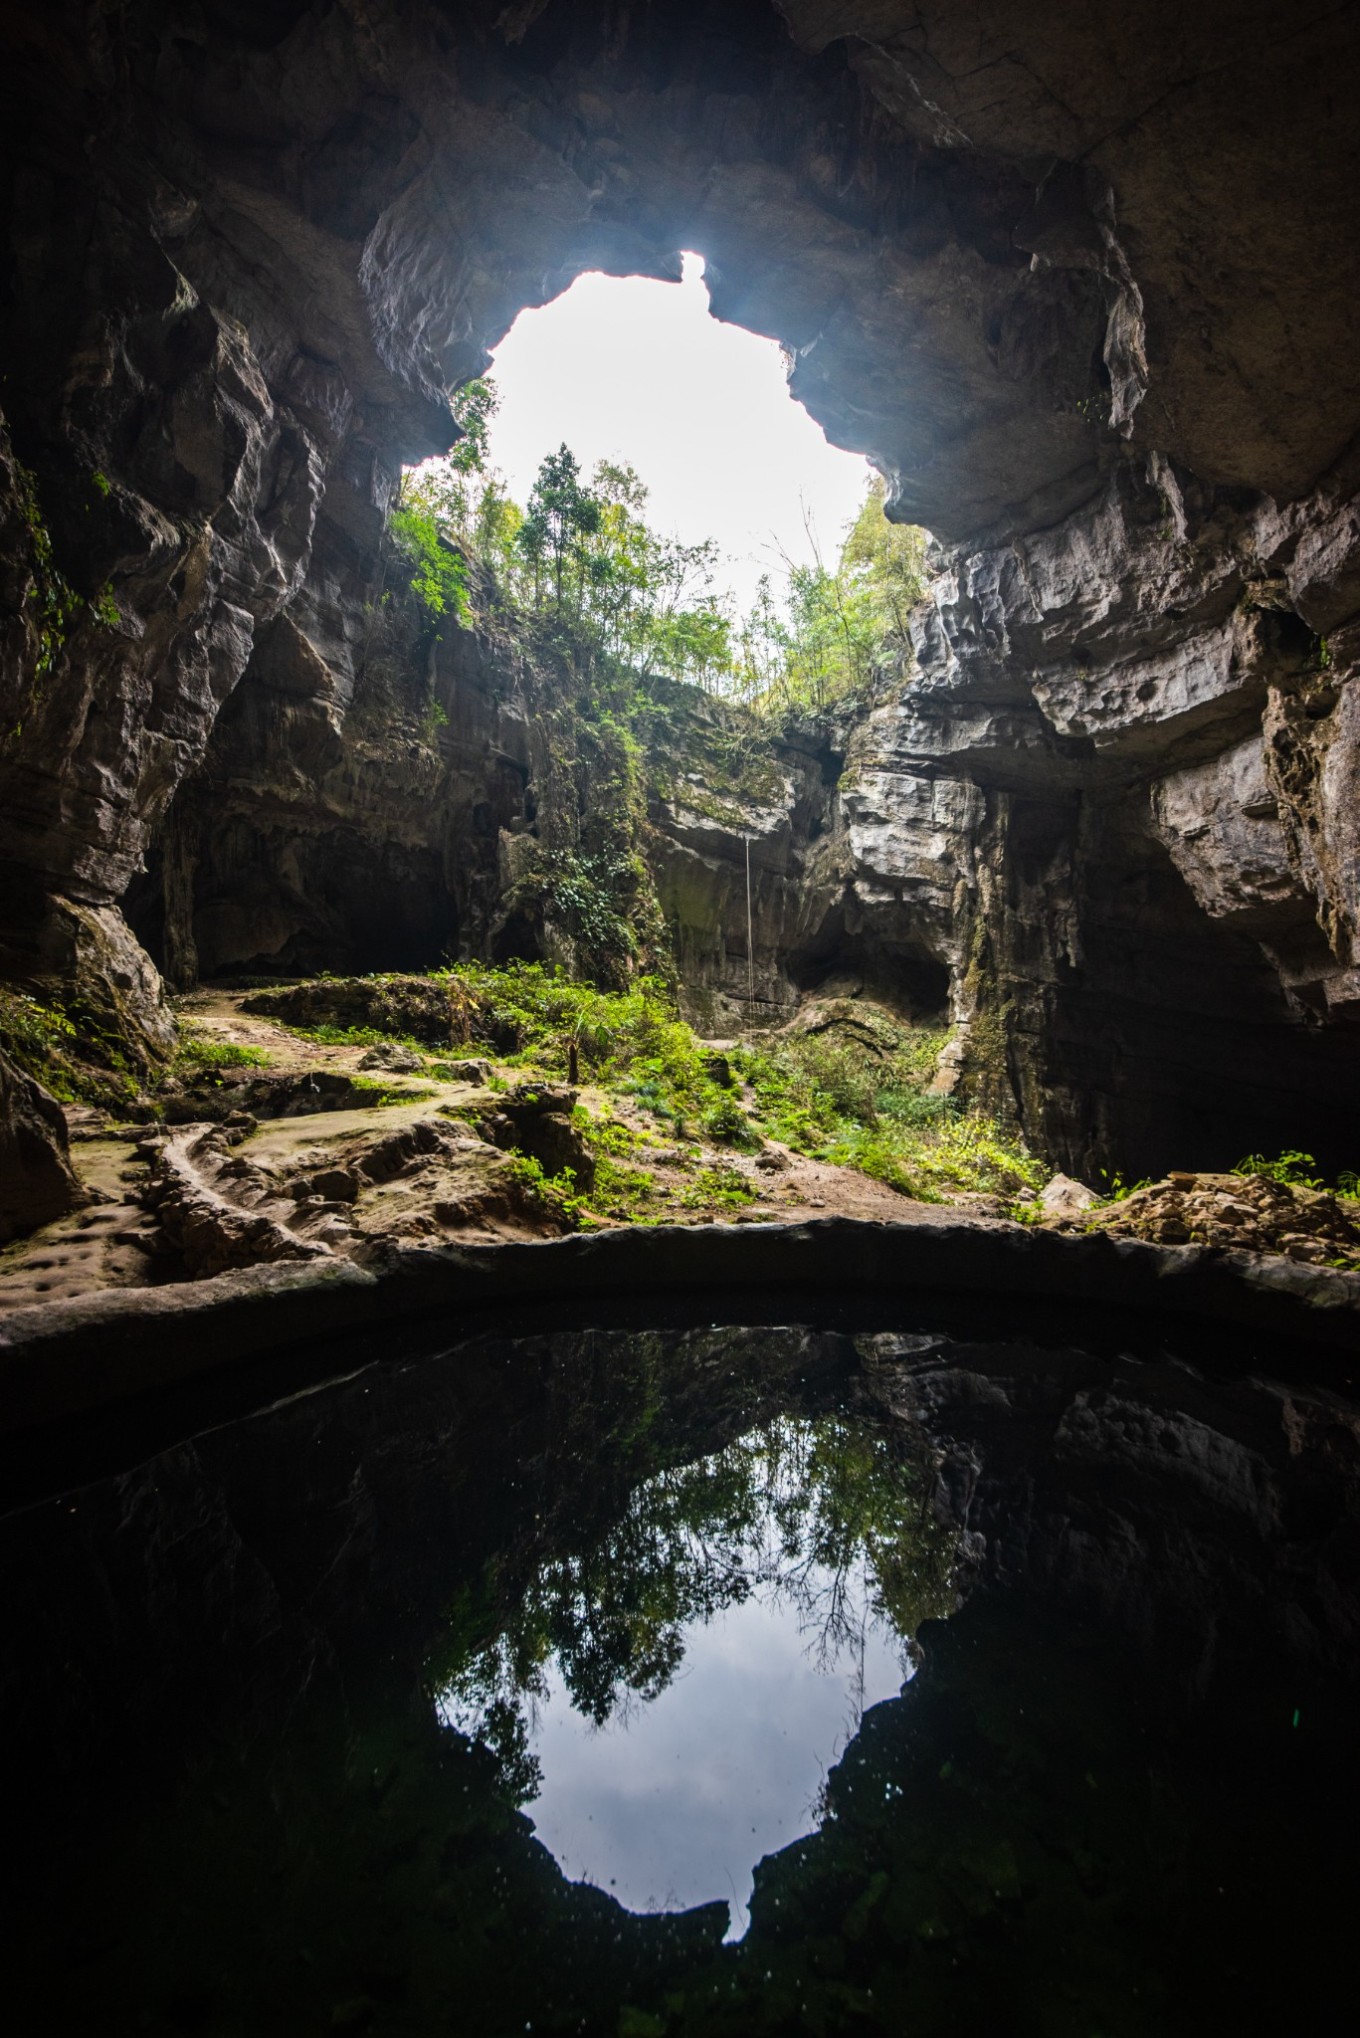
pixel 37 1181
pixel 469 1069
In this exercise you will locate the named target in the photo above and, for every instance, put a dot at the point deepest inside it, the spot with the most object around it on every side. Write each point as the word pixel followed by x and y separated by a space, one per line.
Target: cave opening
pixel 544 894
pixel 260 756
pixel 637 373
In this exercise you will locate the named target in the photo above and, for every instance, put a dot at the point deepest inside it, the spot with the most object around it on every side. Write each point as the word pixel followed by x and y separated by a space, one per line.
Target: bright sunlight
pixel 639 373
pixel 635 485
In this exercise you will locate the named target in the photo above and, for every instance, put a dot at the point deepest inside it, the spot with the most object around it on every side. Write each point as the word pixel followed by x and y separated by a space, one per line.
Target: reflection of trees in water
pixel 828 1516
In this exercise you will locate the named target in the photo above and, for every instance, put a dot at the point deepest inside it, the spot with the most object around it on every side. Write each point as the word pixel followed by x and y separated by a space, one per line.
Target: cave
pixel 281 242
pixel 842 955
pixel 412 1390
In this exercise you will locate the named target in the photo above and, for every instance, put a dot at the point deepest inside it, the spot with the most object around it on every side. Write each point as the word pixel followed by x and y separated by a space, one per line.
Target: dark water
pixel 714 1681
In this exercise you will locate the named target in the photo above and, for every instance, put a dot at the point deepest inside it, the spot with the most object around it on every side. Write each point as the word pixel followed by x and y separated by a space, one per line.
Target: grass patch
pixel 722 1187
pixel 202 1054
pixel 352 1036
pixel 374 1092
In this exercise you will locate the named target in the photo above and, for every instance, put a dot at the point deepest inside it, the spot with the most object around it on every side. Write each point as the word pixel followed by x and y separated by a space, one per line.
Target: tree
pixel 836 633
pixel 888 561
pixel 563 514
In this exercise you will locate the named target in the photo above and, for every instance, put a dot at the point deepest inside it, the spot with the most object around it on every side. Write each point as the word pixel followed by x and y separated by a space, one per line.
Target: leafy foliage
pixel 840 1101
pixel 37 1037
pixel 70 1051
pixel 200 1052
pixel 838 633
pixel 828 1516
pixel 438 576
pixel 1292 1168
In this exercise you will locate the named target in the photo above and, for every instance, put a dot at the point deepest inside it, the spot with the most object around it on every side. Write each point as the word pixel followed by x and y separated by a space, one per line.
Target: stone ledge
pixel 65 1359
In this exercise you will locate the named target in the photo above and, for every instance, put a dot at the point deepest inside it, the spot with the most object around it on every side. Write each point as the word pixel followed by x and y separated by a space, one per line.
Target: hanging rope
pixel 750 942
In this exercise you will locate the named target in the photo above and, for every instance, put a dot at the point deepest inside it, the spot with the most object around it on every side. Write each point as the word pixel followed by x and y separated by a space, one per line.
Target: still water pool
pixel 756 1634
pixel 699 1681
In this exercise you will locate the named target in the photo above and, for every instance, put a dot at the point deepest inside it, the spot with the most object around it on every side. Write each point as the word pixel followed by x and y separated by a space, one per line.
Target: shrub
pixel 864 1105
pixel 723 1185
pixel 1290 1168
pixel 727 1124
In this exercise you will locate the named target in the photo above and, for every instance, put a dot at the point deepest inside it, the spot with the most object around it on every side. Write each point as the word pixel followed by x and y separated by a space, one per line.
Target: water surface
pixel 756 1635
pixel 648 1684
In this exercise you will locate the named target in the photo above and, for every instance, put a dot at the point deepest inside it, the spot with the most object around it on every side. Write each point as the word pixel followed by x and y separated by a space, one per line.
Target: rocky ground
pixel 1250 1213
pixel 318 1151
pixel 337 1150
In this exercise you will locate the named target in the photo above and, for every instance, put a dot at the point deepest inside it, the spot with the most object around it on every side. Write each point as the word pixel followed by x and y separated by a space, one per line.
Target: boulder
pixel 37 1181
pixel 396 1059
pixel 1067 1198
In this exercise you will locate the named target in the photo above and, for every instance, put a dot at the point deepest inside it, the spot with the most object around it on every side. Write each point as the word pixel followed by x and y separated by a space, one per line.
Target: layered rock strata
pixel 1042 273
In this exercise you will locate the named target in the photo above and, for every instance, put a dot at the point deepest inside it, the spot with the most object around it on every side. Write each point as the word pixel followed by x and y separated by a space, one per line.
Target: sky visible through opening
pixel 637 371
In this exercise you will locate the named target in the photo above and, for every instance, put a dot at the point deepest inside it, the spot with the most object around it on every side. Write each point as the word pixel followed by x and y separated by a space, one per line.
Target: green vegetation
pixel 631 1041
pixel 202 1054
pixel 56 605
pixel 56 601
pixel 622 1194
pixel 581 569
pixel 1296 1170
pixel 863 1103
pixel 1291 1168
pixel 354 1036
pixel 721 1187
pixel 38 1039
pixel 853 1093
pixel 71 1050
pixel 437 574
pixel 374 1091
pixel 1118 1187
pixel 839 634
pixel 613 625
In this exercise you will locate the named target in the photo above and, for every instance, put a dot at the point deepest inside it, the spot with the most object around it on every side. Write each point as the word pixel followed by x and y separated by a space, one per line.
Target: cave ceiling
pixel 1003 244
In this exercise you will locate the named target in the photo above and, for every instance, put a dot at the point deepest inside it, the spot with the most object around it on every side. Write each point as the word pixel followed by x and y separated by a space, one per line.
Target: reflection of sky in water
pixel 674 1801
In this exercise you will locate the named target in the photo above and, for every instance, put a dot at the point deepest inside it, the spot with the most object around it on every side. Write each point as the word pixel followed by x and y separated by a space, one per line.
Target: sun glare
pixel 632 370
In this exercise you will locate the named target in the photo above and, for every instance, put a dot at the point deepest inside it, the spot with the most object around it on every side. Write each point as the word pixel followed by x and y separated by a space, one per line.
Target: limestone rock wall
pixel 1107 823
pixel 1044 267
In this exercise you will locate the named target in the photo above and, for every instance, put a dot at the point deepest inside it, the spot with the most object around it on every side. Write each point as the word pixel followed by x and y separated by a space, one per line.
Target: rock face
pixel 37 1182
pixel 1042 269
